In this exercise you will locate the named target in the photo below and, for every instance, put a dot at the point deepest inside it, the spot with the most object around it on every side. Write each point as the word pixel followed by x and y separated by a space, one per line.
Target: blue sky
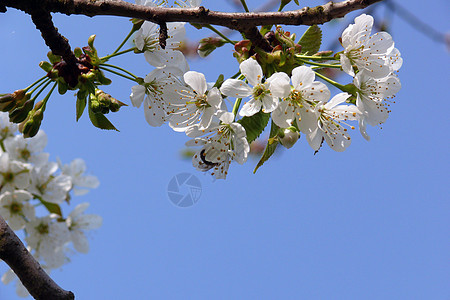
pixel 369 223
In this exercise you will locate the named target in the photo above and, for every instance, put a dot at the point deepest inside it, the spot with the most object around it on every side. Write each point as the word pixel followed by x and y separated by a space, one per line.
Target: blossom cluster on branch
pixel 32 190
pixel 280 86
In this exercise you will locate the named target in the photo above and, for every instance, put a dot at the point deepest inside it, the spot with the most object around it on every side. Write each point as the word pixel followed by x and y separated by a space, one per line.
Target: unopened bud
pixel 30 127
pixel 324 53
pixel 208 45
pixel 78 52
pixel 46 66
pixel 19 114
pixel 290 137
pixel 53 58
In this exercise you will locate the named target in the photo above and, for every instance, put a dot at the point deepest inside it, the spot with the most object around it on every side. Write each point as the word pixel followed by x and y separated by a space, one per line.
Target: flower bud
pixel 53 58
pixel 6 102
pixel 78 52
pixel 30 127
pixel 46 66
pixel 290 137
pixel 19 114
pixel 208 45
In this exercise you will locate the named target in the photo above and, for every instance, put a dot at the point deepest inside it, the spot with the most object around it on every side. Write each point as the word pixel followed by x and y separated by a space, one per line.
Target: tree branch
pixel 237 21
pixel 33 277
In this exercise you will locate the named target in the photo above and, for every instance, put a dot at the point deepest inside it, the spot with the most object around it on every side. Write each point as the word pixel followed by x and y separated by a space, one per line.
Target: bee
pixel 204 164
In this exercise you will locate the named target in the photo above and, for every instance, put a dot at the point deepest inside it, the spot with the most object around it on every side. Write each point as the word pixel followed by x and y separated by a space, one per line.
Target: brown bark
pixel 29 271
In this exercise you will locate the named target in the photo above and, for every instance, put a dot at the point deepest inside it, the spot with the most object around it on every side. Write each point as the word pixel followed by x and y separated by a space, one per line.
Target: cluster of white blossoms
pixel 32 189
pixel 295 101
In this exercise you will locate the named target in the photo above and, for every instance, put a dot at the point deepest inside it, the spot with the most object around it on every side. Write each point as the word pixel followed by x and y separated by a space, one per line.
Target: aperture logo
pixel 184 190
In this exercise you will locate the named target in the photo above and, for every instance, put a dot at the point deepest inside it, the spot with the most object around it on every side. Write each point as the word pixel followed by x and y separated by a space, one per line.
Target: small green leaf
pixel 311 40
pixel 271 146
pixel 254 125
pixel 81 103
pixel 52 207
pixel 100 121
pixel 219 81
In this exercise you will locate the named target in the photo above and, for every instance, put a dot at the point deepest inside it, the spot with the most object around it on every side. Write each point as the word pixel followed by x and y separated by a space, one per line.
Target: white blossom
pixel 10 276
pixel 263 95
pixel 152 93
pixel 50 187
pixel 147 41
pixel 76 171
pixel 188 3
pixel 28 150
pixel 7 128
pixel 194 103
pixel 300 103
pixel 330 124
pixel 48 237
pixel 222 143
pixel 15 208
pixel 374 54
pixel 13 174
pixel 371 97
pixel 77 222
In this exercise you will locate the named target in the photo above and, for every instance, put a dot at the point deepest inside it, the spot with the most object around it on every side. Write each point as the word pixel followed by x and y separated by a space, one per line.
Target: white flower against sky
pixel 331 122
pixel 299 105
pixel 50 187
pixel 28 150
pixel 221 144
pixel 76 171
pixel 193 104
pixel 263 95
pixel 151 3
pixel 48 237
pixel 371 97
pixel 374 54
pixel 152 94
pixel 188 3
pixel 7 128
pixel 13 174
pixel 10 276
pixel 147 41
pixel 77 222
pixel 15 208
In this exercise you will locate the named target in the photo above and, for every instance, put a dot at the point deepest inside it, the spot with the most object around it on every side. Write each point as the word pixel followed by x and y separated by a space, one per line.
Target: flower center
pixel 8 176
pixel 201 102
pixel 15 208
pixel 42 228
pixel 260 91
pixel 25 154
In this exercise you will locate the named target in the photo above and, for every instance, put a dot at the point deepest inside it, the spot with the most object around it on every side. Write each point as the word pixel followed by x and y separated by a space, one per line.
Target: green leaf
pixel 219 81
pixel 271 146
pixel 254 125
pixel 52 207
pixel 100 121
pixel 311 40
pixel 81 103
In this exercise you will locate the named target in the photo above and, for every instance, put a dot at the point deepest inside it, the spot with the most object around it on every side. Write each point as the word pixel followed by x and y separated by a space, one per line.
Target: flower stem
pixel 42 89
pixel 117 73
pixel 44 102
pixel 316 57
pixel 320 65
pixel 119 68
pixel 36 82
pixel 236 106
pixel 107 57
pixel 338 85
pixel 220 34
pixel 244 5
pixel 125 40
